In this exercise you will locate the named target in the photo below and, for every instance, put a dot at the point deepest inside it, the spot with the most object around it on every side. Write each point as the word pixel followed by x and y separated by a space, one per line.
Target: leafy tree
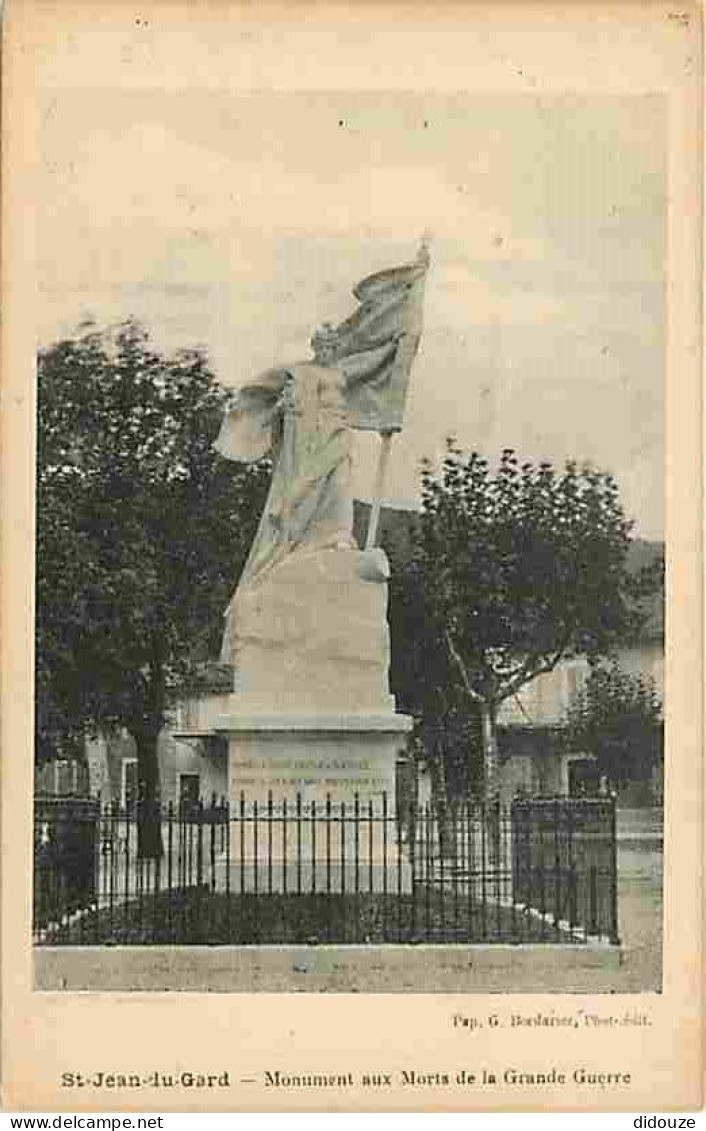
pixel 618 718
pixel 142 530
pixel 512 570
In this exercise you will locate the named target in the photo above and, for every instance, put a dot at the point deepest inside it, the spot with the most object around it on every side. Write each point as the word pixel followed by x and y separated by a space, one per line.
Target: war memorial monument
pixel 311 718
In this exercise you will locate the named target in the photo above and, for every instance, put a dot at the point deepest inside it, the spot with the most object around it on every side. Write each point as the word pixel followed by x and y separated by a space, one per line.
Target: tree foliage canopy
pixel 513 569
pixel 618 718
pixel 142 530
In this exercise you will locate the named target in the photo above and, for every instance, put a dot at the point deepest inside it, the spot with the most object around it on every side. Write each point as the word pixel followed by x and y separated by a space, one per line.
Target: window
pixel 189 788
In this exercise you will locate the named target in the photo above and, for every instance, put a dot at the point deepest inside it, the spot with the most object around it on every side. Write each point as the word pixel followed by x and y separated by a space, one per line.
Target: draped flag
pixel 377 345
pixel 374 349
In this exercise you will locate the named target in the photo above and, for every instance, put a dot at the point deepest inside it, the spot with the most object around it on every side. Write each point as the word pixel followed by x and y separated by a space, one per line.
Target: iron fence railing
pixel 565 860
pixel 301 871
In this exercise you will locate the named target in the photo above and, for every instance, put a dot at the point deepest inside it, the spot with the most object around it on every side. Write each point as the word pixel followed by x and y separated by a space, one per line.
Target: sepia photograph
pixel 347 657
pixel 350 544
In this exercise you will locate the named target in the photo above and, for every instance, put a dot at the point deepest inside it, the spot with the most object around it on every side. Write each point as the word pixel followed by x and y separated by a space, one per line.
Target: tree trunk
pixel 440 801
pixel 437 773
pixel 490 751
pixel 491 787
pixel 149 829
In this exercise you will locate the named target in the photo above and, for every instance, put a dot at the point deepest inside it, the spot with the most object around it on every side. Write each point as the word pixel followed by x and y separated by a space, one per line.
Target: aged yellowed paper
pixel 226 175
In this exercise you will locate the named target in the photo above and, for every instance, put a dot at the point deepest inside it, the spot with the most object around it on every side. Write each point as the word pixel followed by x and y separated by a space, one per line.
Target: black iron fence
pixel 296 871
pixel 565 861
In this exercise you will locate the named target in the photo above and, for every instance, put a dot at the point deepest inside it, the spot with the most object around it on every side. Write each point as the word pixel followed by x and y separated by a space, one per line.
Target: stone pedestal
pixel 311 637
pixel 313 737
pixel 313 802
pixel 315 757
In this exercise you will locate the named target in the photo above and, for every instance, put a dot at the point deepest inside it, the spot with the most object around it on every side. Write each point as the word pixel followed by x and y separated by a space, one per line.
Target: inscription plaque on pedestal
pixel 313 802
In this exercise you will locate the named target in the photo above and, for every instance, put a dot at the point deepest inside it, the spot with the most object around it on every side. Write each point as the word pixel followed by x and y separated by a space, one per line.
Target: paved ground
pixel 493 969
pixel 640 870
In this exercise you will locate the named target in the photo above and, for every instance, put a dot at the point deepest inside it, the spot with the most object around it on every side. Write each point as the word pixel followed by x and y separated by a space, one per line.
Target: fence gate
pixel 66 873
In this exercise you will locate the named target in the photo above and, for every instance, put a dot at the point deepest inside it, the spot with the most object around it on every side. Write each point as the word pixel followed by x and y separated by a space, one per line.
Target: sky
pixel 240 222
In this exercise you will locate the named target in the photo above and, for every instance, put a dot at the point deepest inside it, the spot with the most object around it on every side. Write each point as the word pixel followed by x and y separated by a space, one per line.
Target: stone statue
pixel 298 414
pixel 303 414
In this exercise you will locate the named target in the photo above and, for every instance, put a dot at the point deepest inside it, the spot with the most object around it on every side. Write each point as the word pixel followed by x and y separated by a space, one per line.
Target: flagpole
pixel 383 458
pixel 386 436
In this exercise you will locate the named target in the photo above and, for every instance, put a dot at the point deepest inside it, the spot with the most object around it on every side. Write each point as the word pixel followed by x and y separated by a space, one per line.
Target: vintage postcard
pixel 351 574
